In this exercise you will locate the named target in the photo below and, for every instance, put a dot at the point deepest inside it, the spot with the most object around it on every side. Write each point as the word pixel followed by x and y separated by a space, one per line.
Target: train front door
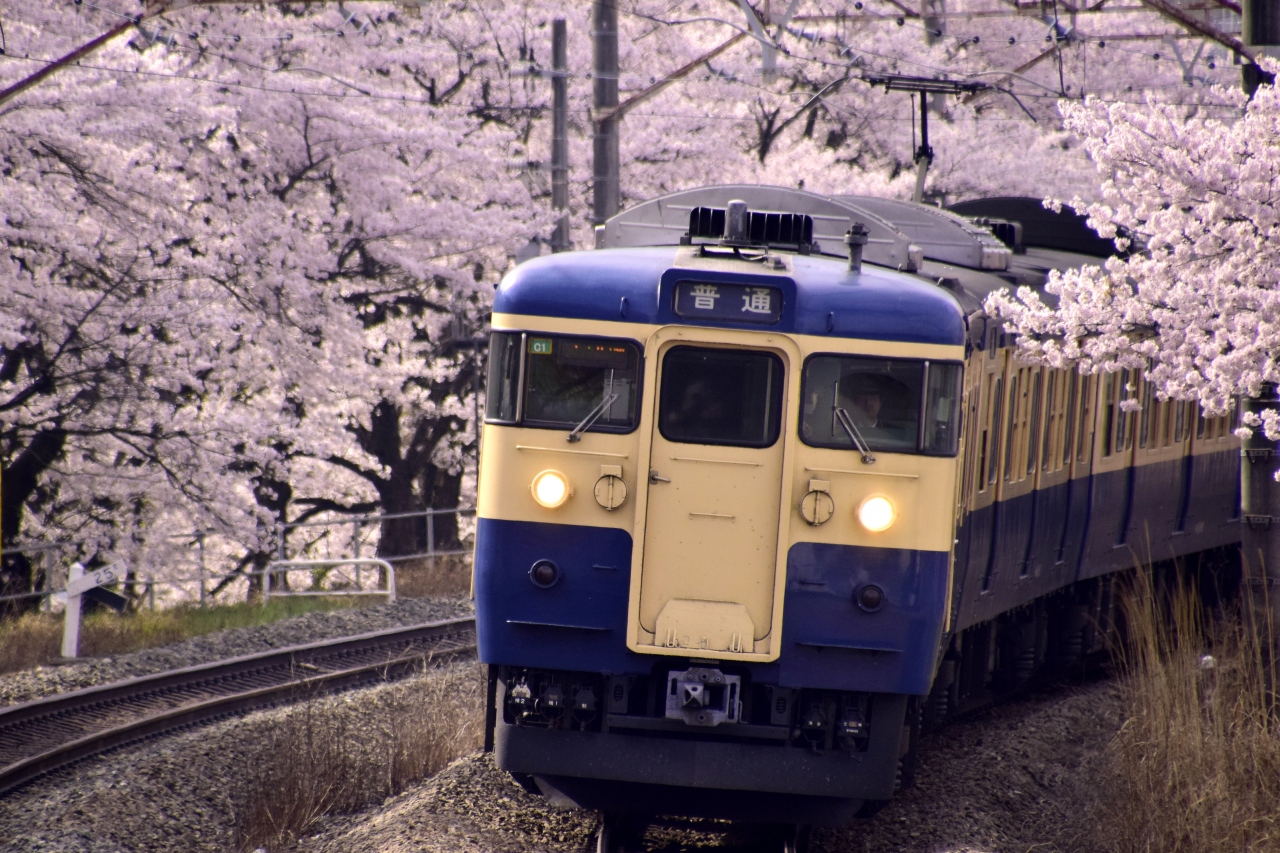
pixel 710 569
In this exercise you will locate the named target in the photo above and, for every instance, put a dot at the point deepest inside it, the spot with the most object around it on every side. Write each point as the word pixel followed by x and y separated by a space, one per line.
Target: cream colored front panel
pixel 706 573
pixel 712 532
pixel 513 456
pixel 921 489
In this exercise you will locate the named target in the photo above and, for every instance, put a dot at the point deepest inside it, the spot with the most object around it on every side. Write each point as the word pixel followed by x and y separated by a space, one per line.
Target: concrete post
pixel 71 620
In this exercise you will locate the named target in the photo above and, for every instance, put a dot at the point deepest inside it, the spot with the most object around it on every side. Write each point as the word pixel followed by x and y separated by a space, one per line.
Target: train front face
pixel 715 522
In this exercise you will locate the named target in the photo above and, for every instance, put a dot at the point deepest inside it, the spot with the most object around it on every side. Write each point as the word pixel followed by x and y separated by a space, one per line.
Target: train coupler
pixel 701 696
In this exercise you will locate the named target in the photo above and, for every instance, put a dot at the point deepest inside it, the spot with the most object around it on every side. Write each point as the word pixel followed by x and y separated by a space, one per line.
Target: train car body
pixel 754 507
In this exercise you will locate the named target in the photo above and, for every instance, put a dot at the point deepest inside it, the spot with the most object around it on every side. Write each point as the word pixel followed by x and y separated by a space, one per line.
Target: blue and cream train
pixel 763 491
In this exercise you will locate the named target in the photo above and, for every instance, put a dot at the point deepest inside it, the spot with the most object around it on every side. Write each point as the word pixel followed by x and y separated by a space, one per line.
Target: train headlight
pixel 877 514
pixel 550 489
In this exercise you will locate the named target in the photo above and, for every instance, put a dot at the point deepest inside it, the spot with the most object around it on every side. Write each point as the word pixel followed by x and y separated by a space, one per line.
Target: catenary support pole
pixel 604 35
pixel 924 154
pixel 1260 514
pixel 560 133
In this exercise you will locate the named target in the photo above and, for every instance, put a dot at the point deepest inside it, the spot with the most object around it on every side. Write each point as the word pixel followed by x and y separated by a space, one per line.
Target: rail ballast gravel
pixel 47 734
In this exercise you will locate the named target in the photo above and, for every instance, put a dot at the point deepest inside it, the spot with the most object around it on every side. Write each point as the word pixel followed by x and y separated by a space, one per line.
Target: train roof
pixel 926 268
pixel 822 295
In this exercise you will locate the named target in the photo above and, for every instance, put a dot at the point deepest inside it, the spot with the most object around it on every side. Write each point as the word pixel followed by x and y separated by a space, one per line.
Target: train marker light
pixel 544 574
pixel 870 598
pixel 550 489
pixel 877 514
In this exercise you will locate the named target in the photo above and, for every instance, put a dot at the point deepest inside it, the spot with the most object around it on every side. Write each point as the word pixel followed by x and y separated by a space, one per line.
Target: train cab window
pixel 503 389
pixel 721 396
pixel 558 382
pixel 897 405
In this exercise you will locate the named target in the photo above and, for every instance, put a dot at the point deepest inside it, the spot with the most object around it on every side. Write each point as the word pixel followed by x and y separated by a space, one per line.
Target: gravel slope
pixel 1024 776
pixel 187 792
pixel 1020 777
pixel 42 681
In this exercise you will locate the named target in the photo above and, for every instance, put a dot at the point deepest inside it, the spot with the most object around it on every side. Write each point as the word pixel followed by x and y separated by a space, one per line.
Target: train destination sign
pixel 717 301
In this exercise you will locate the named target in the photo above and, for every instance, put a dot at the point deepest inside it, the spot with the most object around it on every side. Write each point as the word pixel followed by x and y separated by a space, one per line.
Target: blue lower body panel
pixel 829 642
pixel 579 623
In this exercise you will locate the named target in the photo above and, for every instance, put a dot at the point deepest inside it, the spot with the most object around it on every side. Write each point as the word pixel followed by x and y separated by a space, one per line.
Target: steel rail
pixel 57 731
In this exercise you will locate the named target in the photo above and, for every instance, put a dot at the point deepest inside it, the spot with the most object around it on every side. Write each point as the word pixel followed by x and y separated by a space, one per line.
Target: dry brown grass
pixel 1196 766
pixel 335 756
pixel 36 638
pixel 449 574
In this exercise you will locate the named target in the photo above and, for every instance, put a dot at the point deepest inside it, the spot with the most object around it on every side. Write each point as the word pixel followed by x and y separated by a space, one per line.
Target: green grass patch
pixel 36 638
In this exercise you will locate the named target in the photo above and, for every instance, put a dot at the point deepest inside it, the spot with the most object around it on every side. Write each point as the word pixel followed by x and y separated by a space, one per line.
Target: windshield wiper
pixel 856 437
pixel 592 417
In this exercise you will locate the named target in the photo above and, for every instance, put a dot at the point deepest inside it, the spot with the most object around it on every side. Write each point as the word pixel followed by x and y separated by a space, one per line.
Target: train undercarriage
pixel 701 739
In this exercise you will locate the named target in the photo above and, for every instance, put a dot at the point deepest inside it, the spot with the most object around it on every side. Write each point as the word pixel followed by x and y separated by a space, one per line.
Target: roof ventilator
pixel 1007 232
pixel 856 239
pixel 739 228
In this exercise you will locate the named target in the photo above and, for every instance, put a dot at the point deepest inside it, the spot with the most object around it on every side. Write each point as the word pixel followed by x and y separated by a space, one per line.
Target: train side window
pixel 1179 421
pixel 1087 386
pixel 1108 413
pixel 721 396
pixel 1144 428
pixel 940 430
pixel 997 423
pixel 974 460
pixel 502 401
pixel 1122 418
pixel 568 379
pixel 1033 441
pixel 1011 431
pixel 1200 422
pixel 1074 381
pixel 1052 421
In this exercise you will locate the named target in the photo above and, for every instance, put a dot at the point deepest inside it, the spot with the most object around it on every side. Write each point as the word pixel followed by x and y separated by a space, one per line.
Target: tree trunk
pixel 17 484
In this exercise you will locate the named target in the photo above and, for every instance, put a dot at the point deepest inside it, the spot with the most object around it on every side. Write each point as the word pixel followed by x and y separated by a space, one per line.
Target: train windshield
pixel 721 396
pixel 896 405
pixel 562 382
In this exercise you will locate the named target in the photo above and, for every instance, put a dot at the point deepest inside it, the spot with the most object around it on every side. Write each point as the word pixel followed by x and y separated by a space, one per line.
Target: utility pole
pixel 1259 28
pixel 1260 516
pixel 560 134
pixel 604 55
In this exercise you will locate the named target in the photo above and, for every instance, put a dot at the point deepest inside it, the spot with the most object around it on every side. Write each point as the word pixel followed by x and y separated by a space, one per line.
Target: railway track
pixel 48 734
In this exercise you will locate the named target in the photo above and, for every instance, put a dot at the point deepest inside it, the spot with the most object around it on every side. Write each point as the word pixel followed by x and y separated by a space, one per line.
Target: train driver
pixel 863 395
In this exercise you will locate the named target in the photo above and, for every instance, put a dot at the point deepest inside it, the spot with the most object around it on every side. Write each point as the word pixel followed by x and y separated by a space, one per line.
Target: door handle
pixel 654 477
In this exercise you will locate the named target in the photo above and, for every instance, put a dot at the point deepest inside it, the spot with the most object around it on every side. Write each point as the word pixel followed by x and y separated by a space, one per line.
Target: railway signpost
pixel 78 583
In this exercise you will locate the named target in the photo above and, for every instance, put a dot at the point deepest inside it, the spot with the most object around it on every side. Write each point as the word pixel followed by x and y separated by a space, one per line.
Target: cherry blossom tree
pixel 1196 303
pixel 246 316
pixel 241 243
